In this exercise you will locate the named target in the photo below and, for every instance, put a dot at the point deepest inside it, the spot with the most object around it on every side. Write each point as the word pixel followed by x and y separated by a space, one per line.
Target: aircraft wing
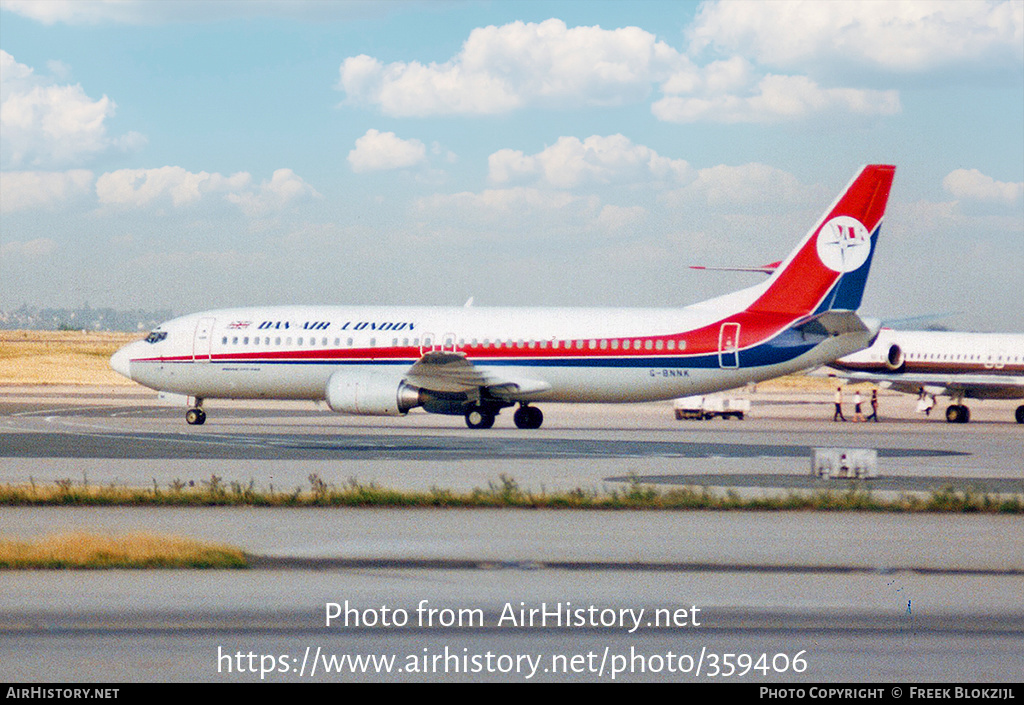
pixel 444 371
pixel 973 386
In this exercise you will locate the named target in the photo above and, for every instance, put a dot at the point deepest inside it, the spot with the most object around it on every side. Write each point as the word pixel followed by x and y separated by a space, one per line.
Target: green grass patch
pixel 504 493
pixel 80 550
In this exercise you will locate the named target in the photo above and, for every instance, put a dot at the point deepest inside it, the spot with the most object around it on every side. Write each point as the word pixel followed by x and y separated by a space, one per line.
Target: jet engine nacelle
pixel 894 358
pixel 371 392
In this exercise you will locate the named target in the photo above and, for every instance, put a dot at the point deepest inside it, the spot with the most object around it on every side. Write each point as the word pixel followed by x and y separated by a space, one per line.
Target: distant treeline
pixel 84 318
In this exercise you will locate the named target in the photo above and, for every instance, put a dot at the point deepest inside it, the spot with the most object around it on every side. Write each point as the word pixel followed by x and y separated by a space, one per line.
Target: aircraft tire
pixel 1019 414
pixel 195 417
pixel 957 413
pixel 479 417
pixel 528 417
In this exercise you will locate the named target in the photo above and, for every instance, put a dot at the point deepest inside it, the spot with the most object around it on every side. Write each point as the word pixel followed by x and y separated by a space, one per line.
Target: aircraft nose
pixel 120 361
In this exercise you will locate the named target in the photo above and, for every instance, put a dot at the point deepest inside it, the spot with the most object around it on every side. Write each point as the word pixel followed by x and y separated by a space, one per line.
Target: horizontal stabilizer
pixel 763 269
pixel 832 323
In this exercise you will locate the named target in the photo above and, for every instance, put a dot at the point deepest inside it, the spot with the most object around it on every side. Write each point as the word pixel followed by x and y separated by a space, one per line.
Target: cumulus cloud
pixel 773 99
pixel 141 187
pixel 137 188
pixel 497 203
pixel 24 190
pixel 42 124
pixel 550 65
pixel 909 36
pixel 972 185
pixel 382 151
pixel 727 186
pixel 572 162
pixel 518 214
pixel 284 188
pixel 518 64
pixel 524 213
pixel 614 218
pixel 40 247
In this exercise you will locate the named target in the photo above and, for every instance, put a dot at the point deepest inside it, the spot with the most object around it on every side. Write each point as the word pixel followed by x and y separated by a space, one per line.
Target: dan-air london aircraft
pixel 957 365
pixel 473 362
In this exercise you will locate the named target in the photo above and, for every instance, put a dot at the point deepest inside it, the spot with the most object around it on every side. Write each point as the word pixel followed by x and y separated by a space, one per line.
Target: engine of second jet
pixel 370 392
pixel 894 358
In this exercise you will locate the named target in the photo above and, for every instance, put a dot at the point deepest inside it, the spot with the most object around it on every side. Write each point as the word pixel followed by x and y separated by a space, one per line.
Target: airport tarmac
pixel 808 596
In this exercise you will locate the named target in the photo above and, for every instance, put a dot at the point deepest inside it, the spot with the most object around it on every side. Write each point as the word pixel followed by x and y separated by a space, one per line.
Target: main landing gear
pixel 958 413
pixel 478 416
pixel 528 417
pixel 483 415
pixel 196 416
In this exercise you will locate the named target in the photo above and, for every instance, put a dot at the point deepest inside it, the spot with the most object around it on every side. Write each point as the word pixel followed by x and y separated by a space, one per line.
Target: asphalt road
pixel 812 597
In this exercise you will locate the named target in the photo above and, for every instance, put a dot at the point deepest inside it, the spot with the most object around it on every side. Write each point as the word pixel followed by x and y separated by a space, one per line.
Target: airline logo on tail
pixel 844 244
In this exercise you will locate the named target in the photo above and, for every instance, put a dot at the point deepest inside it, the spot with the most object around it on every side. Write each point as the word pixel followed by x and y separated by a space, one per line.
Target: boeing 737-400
pixel 474 362
pixel 957 365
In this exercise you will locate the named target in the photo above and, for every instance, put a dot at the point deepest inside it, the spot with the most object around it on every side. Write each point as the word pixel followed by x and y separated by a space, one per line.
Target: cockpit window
pixel 156 336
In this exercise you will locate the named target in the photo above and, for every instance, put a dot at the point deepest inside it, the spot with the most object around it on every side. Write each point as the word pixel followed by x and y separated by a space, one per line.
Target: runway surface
pixel 808 596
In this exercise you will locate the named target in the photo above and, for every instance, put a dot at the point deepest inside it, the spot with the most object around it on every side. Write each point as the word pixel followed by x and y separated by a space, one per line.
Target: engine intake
pixel 894 359
pixel 371 392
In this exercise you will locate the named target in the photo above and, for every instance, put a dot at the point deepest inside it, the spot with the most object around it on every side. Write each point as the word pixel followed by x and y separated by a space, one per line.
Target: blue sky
pixel 192 155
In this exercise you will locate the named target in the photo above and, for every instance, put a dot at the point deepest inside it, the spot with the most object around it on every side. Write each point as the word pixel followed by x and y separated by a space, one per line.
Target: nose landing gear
pixel 196 416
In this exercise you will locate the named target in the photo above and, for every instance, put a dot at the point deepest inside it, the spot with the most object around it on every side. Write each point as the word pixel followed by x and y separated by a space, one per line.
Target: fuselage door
pixel 428 343
pixel 202 341
pixel 729 345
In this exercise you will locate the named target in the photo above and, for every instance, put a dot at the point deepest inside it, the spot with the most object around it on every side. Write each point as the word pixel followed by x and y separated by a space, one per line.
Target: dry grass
pixel 138 550
pixel 60 357
pixel 505 493
pixel 805 383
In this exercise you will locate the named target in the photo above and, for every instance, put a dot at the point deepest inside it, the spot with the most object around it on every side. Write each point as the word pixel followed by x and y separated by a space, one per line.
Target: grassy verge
pixel 505 493
pixel 60 357
pixel 138 550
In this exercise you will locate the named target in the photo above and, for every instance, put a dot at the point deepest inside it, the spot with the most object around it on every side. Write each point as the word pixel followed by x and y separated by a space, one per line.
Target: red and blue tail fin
pixel 829 268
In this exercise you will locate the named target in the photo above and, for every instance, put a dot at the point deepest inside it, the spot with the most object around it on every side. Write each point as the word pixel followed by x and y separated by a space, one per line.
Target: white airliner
pixel 957 365
pixel 473 362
